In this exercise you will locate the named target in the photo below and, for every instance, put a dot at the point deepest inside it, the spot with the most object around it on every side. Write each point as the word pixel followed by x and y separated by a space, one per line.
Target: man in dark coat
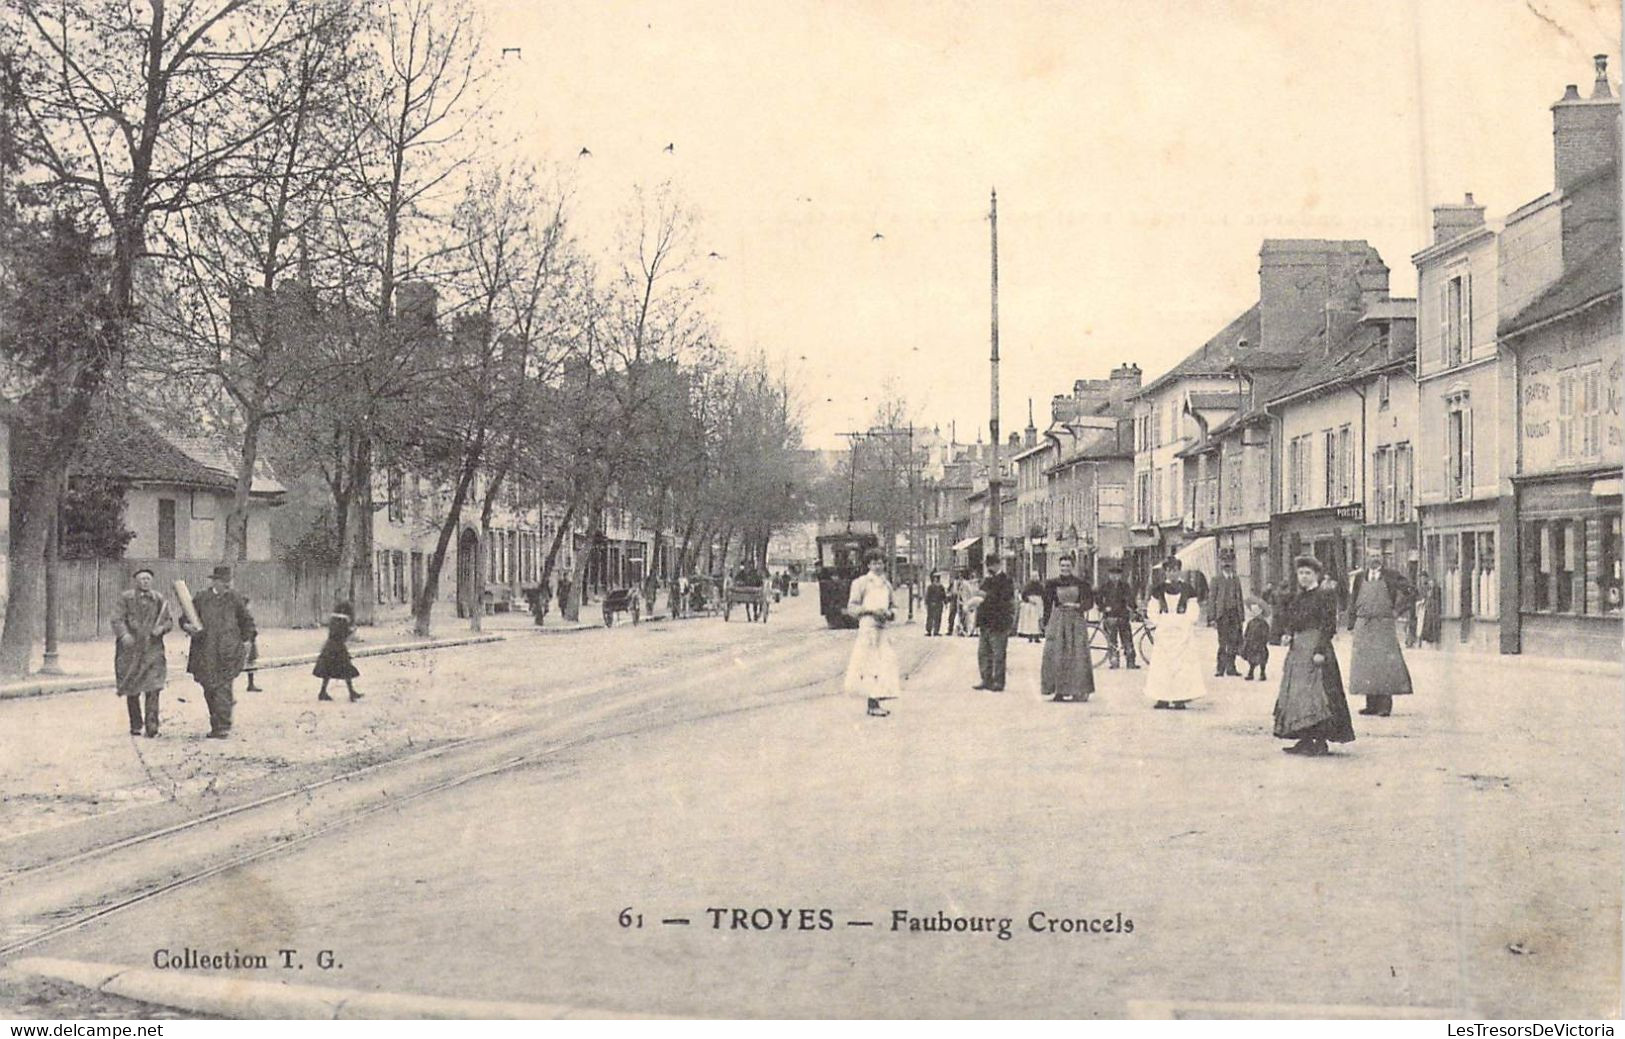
pixel 140 621
pixel 219 647
pixel 1116 601
pixel 996 617
pixel 936 596
pixel 1228 610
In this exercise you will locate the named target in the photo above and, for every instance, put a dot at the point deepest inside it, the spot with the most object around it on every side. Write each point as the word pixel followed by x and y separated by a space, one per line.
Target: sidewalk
pixel 89 664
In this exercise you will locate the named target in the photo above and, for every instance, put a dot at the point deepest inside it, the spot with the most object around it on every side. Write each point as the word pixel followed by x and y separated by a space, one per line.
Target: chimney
pixel 1453 221
pixel 1015 440
pixel 1585 131
pixel 1373 279
pixel 1125 382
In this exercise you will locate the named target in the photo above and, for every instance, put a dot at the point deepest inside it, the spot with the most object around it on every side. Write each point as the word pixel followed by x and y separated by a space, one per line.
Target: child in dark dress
pixel 1255 642
pixel 334 661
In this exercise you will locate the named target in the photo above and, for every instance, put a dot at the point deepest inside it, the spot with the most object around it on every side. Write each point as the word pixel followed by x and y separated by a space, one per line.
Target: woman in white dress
pixel 1174 674
pixel 872 672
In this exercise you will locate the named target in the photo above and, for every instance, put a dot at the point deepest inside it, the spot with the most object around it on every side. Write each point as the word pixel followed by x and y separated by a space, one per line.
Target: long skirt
pixel 1175 673
pixel 1311 704
pixel 872 671
pixel 1377 667
pixel 1030 621
pixel 1067 673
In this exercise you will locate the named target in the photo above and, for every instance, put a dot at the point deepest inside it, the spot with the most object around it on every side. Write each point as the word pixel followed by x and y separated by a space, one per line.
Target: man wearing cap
pixel 140 621
pixel 219 647
pixel 1228 610
pixel 1116 602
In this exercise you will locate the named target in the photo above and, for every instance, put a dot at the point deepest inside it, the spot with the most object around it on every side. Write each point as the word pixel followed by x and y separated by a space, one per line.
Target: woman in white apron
pixel 1174 673
pixel 872 672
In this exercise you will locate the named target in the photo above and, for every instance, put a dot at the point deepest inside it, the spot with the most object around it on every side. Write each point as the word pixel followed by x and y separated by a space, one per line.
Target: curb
pixel 75 684
pixel 265 1000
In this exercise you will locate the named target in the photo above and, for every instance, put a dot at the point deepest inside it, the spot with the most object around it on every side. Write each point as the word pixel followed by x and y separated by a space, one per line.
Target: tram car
pixel 840 561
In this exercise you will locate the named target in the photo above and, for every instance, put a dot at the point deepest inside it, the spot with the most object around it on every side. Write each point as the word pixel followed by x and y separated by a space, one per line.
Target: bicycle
pixel 1141 634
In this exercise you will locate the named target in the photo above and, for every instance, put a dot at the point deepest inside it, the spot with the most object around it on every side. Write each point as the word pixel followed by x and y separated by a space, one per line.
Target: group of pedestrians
pixel 224 643
pixel 1311 707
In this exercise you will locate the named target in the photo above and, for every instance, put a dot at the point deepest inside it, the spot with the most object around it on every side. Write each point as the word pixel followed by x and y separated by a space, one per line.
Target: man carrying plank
pixel 222 629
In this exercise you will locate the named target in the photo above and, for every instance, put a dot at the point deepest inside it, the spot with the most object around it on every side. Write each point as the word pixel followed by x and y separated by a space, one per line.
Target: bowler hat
pixel 221 573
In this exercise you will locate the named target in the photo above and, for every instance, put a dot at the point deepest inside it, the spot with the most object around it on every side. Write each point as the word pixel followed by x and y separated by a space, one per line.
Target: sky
pixel 1141 151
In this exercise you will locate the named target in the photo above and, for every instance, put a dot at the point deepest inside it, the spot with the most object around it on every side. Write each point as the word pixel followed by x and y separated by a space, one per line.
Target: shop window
pixel 1563 566
pixel 1608 569
pixel 1487 593
pixel 1450 575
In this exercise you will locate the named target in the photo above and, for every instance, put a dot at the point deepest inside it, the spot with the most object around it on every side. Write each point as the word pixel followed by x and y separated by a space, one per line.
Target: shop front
pixel 1569 573
pixel 1334 536
pixel 1461 550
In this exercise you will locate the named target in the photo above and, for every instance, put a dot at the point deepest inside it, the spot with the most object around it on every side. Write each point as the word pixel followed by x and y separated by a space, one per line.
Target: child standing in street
pixel 1255 642
pixel 334 661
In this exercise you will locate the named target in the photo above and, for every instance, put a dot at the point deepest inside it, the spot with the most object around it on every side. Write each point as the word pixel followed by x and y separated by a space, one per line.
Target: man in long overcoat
pixel 140 621
pixel 1228 610
pixel 1378 671
pixel 219 647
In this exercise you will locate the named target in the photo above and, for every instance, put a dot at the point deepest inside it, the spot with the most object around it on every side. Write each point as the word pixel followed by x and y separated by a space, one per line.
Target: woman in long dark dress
pixel 1428 605
pixel 334 660
pixel 1311 707
pixel 1066 672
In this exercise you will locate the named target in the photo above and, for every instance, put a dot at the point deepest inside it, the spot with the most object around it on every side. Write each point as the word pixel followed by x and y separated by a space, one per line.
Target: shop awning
pixel 960 546
pixel 1201 554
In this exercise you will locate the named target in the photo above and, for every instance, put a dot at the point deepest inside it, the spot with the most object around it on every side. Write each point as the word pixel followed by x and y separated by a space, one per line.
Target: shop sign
pixel 1351 512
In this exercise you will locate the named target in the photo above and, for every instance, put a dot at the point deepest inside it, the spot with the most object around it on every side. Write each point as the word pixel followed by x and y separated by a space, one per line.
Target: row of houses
pixel 1472 433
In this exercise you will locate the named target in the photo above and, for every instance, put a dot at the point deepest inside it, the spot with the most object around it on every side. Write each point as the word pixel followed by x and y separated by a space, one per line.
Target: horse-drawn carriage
pixel 756 599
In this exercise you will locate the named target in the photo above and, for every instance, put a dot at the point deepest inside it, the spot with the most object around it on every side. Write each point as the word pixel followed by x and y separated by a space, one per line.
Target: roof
pixel 1214 401
pixel 122 444
pixel 1593 279
pixel 1364 349
pixel 1215 355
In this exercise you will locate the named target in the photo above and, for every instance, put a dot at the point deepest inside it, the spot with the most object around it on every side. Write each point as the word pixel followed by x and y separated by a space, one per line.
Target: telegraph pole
pixel 995 503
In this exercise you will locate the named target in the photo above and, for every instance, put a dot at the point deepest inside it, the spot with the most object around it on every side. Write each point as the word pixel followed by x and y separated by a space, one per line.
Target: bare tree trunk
pixel 572 610
pixel 236 546
pixel 28 545
pixel 558 539
pixel 423 609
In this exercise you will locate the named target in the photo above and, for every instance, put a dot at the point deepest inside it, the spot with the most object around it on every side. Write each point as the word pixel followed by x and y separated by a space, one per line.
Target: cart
pixel 756 599
pixel 703 594
pixel 622 600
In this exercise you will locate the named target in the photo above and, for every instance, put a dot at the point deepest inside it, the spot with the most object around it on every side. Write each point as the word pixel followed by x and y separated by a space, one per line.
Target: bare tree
pixel 129 118
pixel 415 111
pixel 512 276
pixel 255 335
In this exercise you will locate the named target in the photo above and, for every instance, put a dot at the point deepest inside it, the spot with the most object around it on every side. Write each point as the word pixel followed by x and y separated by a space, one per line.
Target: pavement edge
pixel 264 1000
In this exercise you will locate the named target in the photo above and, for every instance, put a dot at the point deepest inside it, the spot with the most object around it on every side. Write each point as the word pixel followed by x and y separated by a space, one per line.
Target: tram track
pixel 262 821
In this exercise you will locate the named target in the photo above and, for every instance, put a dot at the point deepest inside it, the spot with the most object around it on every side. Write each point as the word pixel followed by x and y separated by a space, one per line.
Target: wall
pixel 279 595
pixel 1542 357
pixel 1311 417
pixel 1489 388
pixel 1395 424
pixel 1531 253
pixel 200 521
pixel 1160 404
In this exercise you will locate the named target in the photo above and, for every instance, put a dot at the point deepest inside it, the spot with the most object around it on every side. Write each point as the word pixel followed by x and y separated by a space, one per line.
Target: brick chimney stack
pixel 1585 131
pixel 1373 279
pixel 1454 220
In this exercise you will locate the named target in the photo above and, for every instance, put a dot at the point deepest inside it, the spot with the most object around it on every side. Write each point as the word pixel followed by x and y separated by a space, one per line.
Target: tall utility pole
pixel 995 503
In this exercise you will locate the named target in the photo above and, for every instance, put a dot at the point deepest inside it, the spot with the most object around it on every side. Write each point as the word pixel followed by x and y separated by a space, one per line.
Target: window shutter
pixel 1467 452
pixel 1467 316
pixel 1444 323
